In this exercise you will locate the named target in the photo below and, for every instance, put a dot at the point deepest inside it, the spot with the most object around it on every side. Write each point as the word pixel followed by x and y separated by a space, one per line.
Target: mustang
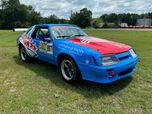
pixel 78 55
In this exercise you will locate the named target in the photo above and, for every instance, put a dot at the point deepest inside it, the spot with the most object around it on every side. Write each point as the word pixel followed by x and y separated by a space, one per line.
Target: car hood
pixel 101 45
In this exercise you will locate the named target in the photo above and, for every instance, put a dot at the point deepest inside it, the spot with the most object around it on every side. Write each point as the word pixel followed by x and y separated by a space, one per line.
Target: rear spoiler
pixel 20 29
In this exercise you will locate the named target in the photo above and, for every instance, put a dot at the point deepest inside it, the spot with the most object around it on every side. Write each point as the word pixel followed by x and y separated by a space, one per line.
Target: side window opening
pixel 41 33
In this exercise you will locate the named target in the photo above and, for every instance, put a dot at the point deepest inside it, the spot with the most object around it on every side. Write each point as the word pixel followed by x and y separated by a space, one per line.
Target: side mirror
pixel 47 40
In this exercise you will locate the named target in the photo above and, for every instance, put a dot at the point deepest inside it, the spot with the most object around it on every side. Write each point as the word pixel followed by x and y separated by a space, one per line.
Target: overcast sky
pixel 62 8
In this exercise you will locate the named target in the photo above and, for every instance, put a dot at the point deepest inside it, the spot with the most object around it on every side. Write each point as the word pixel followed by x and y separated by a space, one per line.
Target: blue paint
pixel 91 71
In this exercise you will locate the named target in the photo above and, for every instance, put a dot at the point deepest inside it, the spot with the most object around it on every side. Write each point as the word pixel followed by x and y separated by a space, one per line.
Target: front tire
pixel 69 70
pixel 23 54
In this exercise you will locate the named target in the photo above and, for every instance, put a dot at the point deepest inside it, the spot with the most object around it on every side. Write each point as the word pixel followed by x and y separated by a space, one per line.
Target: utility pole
pixel 71 12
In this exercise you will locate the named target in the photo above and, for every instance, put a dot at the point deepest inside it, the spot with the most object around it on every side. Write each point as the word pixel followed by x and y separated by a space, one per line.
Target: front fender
pixel 69 53
pixel 79 53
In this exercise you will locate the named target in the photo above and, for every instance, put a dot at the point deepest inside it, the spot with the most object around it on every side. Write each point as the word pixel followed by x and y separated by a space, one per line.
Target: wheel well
pixel 20 45
pixel 62 56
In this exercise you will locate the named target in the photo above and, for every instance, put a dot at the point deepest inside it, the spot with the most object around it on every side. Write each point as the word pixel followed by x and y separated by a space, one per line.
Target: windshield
pixel 60 32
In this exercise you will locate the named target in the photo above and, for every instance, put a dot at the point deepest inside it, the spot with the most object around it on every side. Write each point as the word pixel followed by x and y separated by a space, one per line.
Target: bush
pixel 110 25
pixel 97 23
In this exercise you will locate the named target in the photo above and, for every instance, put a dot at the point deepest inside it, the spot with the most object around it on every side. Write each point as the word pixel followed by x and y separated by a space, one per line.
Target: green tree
pixel 13 14
pixel 53 19
pixel 63 21
pixel 129 18
pixel 33 16
pixel 82 18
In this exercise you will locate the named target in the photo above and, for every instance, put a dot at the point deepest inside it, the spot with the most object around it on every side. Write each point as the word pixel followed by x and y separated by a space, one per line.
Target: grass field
pixel 38 87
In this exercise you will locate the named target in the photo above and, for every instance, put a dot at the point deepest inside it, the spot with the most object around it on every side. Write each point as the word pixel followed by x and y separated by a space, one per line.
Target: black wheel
pixel 69 70
pixel 23 55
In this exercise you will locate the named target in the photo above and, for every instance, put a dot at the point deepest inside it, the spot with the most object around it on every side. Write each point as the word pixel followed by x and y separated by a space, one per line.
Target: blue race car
pixel 78 55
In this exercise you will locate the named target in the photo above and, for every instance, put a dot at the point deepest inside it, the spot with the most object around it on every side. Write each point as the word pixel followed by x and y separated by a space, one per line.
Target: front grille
pixel 125 72
pixel 124 57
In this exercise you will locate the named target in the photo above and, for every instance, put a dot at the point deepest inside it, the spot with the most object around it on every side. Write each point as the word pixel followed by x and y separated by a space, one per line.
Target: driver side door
pixel 42 38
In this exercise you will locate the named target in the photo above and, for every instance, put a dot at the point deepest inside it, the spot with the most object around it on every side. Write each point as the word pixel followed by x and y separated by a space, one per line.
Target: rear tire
pixel 69 70
pixel 23 54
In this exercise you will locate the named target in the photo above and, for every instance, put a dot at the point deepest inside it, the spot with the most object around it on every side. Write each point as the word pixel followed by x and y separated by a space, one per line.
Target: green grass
pixel 38 87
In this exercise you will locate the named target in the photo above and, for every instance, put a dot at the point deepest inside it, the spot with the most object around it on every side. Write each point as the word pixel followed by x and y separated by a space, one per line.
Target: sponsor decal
pixel 77 51
pixel 29 46
pixel 46 47
pixel 85 41
pixel 89 39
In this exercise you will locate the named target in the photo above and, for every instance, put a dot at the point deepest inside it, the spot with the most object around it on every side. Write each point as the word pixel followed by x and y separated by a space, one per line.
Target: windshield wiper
pixel 66 36
pixel 63 36
pixel 78 35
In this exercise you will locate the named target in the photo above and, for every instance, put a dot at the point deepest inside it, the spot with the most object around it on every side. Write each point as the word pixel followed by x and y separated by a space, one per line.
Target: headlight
pixel 132 52
pixel 109 60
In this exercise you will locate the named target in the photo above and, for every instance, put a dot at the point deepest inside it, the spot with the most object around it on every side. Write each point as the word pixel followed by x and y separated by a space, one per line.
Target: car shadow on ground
pixel 86 88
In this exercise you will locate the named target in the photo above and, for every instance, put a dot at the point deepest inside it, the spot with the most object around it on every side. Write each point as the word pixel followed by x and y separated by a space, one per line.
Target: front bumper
pixel 109 74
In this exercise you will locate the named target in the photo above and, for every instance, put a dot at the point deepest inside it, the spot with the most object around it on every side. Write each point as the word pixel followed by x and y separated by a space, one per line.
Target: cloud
pixel 62 8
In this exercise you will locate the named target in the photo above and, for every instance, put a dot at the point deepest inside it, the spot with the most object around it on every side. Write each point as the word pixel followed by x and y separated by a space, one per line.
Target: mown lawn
pixel 38 87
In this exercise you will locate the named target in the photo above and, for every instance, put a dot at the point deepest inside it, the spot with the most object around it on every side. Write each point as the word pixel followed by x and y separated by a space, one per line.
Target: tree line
pixel 14 14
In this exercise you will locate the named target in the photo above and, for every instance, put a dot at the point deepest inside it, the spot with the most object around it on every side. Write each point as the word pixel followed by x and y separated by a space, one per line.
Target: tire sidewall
pixel 24 57
pixel 75 77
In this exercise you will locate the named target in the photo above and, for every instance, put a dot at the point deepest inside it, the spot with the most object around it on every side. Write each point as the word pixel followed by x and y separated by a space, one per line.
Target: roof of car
pixel 56 25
